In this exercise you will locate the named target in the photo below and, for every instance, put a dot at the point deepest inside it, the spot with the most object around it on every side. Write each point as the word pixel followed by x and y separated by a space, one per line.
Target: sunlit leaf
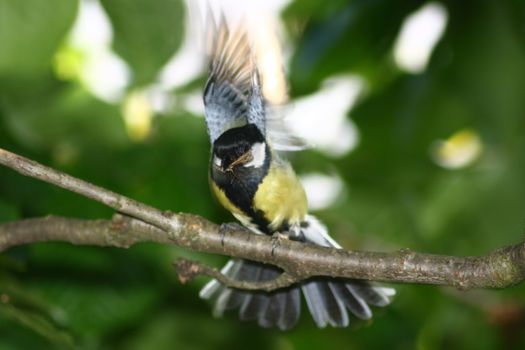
pixel 30 32
pixel 146 33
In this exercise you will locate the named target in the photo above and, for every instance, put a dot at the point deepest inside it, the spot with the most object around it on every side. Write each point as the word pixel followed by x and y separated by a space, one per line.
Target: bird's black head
pixel 240 161
pixel 243 146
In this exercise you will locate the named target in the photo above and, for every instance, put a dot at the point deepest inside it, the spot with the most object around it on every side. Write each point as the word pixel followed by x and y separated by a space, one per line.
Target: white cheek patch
pixel 217 161
pixel 258 152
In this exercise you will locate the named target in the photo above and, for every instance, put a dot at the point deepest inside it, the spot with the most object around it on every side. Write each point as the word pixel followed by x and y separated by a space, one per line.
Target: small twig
pixel 120 203
pixel 189 269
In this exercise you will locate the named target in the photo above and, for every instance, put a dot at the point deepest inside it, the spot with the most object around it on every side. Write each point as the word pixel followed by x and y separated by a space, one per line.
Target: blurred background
pixel 417 114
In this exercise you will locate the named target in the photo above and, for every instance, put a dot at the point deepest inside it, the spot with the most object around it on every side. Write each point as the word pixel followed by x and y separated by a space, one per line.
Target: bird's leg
pixel 228 226
pixel 293 233
pixel 277 238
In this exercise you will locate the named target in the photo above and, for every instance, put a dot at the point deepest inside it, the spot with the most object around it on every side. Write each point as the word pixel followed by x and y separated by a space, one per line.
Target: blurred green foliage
pixel 146 33
pixel 61 296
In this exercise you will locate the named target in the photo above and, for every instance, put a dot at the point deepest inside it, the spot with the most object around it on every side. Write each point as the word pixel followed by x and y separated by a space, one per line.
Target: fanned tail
pixel 280 308
pixel 328 299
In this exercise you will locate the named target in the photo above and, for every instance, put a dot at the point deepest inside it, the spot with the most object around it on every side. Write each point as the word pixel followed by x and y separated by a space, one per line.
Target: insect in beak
pixel 246 157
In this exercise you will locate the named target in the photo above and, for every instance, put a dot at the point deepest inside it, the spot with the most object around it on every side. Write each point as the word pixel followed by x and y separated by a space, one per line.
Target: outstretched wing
pixel 232 96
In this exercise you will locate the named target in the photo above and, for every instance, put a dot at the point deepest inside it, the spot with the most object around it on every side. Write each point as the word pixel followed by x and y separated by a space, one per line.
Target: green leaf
pixel 147 33
pixel 67 121
pixel 30 32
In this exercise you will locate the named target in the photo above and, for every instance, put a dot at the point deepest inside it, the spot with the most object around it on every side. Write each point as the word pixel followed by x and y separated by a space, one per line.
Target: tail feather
pixel 372 295
pixel 255 303
pixel 273 311
pixel 245 272
pixel 213 287
pixel 280 308
pixel 353 302
pixel 325 307
pixel 327 299
pixel 291 310
pixel 253 307
pixel 312 296
pixel 336 310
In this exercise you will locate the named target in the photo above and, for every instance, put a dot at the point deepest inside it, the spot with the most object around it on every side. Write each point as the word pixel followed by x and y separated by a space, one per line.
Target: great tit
pixel 260 188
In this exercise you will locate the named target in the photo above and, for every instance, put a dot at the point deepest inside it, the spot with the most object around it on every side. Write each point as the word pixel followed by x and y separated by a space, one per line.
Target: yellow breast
pixel 281 196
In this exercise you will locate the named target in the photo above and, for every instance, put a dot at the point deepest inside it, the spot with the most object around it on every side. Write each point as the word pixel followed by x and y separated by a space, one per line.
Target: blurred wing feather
pixel 232 96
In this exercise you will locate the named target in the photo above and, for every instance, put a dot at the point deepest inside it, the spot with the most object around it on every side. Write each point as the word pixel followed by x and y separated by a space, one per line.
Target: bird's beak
pixel 246 157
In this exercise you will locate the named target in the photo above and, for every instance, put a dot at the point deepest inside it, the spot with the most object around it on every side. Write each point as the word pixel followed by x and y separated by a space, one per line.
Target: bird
pixel 251 178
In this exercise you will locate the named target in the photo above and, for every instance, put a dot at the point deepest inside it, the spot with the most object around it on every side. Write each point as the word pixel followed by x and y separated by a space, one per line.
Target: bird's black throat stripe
pixel 240 186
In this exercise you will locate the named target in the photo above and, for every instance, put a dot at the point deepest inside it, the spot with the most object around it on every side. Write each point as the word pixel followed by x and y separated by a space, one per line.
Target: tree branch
pixel 113 200
pixel 142 223
pixel 188 269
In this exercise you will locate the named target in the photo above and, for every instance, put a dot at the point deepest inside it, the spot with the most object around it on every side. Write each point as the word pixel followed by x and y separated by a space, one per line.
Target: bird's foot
pixel 277 238
pixel 295 234
pixel 228 226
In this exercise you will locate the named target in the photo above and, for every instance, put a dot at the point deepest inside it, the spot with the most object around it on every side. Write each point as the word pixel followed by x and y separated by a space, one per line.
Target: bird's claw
pixel 277 238
pixel 296 234
pixel 228 226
